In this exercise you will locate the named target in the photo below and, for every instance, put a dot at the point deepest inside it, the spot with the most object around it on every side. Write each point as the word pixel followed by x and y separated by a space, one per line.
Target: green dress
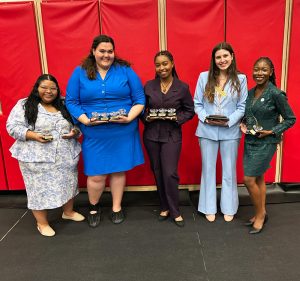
pixel 258 152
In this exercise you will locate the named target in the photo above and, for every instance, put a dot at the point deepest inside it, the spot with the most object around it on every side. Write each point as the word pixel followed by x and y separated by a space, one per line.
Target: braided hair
pixel 268 61
pixel 170 57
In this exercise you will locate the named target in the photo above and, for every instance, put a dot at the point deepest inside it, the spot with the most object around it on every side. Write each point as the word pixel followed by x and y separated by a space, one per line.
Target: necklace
pixel 220 91
pixel 165 87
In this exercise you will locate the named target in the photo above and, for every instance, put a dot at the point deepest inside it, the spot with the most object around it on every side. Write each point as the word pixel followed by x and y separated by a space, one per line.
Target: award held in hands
pixel 46 132
pixel 219 112
pixel 162 114
pixel 153 114
pixel 217 118
pixel 253 127
pixel 109 116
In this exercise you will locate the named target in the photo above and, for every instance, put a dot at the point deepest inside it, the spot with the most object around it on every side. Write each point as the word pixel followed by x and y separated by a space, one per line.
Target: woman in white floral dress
pixel 47 149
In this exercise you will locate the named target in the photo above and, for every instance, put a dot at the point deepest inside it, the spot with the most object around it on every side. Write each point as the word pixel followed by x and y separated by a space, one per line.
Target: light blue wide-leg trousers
pixel 208 194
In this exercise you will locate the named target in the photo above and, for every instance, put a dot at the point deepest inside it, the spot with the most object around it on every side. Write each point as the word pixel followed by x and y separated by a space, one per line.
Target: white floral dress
pixel 49 169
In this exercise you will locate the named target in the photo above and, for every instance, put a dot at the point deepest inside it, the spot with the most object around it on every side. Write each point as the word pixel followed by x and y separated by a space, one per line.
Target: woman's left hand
pixel 264 133
pixel 121 119
pixel 74 133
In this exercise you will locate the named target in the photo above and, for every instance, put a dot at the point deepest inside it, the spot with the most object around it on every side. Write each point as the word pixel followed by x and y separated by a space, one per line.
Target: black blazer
pixel 178 97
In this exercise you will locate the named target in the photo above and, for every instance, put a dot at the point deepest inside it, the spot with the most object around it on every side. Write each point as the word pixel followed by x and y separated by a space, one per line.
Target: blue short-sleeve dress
pixel 110 147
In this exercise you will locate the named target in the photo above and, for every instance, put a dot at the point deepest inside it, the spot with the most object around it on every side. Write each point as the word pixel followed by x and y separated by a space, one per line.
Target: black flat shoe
pixel 179 223
pixel 94 216
pixel 117 217
pixel 163 218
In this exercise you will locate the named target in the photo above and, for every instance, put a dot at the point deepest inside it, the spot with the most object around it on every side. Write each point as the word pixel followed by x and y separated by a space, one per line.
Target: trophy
pixel 162 112
pixel 113 115
pixel 65 130
pixel 46 133
pixel 153 113
pixel 219 109
pixel 104 116
pixel 107 116
pixel 95 115
pixel 122 112
pixel 253 127
pixel 100 116
pixel 219 114
pixel 171 114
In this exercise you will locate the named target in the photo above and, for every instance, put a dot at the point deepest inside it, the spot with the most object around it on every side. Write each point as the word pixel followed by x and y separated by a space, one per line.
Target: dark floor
pixel 144 249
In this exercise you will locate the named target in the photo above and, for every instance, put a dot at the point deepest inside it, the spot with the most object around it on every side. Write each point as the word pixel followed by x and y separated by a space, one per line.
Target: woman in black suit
pixel 162 135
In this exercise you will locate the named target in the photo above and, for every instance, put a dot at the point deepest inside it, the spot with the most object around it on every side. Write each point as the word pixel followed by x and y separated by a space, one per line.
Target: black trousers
pixel 164 157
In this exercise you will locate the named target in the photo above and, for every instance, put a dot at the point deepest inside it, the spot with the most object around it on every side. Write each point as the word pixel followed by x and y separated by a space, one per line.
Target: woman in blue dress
pixel 101 86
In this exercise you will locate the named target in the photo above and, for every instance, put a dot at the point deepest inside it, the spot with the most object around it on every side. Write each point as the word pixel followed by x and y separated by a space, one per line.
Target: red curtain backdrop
pixel 19 68
pixel 256 29
pixel 193 29
pixel 69 29
pixel 3 181
pixel 133 24
pixel 291 154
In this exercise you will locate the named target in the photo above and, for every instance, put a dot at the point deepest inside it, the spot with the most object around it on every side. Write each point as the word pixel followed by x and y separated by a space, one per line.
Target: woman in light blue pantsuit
pixel 220 91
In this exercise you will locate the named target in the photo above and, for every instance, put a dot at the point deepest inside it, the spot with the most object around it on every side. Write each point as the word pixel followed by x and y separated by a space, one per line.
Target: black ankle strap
pixel 95 207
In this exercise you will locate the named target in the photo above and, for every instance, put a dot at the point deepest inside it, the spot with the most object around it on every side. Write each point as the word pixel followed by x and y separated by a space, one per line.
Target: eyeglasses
pixel 51 89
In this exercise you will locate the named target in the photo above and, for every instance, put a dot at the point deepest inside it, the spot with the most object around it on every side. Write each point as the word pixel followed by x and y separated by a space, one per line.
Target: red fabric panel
pixel 291 155
pixel 3 181
pixel 19 68
pixel 256 29
pixel 133 24
pixel 69 29
pixel 193 29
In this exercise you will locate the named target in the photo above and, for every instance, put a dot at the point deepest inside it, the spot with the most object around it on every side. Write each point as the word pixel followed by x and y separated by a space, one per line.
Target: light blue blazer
pixel 232 105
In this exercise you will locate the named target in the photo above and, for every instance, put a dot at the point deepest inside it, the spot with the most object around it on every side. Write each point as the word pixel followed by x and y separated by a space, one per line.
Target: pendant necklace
pixel 165 87
pixel 219 88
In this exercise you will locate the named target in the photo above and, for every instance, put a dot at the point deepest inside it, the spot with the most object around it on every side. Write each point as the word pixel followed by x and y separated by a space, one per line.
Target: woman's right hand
pixel 39 137
pixel 243 128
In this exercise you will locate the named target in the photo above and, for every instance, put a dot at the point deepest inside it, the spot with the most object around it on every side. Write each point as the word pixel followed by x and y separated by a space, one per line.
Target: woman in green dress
pixel 263 129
